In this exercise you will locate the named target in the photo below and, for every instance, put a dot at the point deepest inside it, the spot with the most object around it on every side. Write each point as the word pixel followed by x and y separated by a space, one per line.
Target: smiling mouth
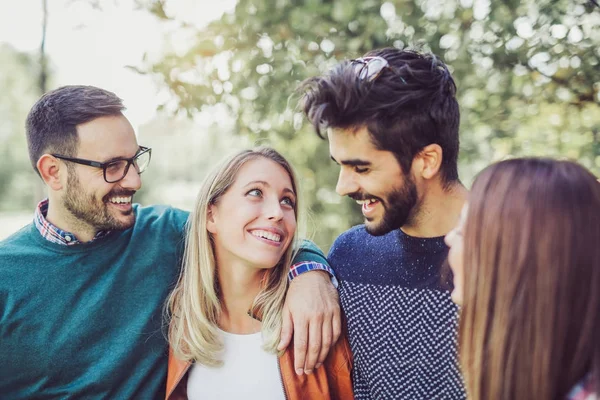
pixel 262 234
pixel 120 200
pixel 368 207
pixel 367 201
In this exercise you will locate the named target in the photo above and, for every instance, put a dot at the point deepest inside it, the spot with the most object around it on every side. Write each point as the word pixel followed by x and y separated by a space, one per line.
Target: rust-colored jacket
pixel 330 381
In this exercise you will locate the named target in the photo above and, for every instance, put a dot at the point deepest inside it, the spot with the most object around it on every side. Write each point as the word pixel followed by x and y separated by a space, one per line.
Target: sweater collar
pixel 421 245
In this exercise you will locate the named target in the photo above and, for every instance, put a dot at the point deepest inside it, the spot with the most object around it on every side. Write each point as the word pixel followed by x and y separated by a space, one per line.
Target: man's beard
pixel 398 207
pixel 91 211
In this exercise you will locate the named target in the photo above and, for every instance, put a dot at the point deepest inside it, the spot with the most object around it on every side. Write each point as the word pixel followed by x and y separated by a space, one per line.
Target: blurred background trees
pixel 527 71
pixel 19 186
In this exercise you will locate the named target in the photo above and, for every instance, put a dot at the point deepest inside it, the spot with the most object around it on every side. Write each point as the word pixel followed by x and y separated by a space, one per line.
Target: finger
pixel 336 324
pixel 326 341
pixel 287 329
pixel 314 344
pixel 300 343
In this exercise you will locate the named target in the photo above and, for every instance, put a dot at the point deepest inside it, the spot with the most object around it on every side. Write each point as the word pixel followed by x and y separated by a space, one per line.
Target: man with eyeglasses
pixel 82 288
pixel 392 121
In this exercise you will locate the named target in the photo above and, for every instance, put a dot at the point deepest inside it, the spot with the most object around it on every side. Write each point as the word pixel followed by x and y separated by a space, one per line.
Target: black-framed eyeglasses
pixel 115 170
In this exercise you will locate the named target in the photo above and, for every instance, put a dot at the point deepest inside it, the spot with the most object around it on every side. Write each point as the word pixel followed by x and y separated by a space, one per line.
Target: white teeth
pixel 361 202
pixel 120 200
pixel 266 235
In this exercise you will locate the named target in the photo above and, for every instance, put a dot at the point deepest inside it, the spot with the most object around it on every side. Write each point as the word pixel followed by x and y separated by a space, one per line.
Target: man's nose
pixel 345 184
pixel 132 180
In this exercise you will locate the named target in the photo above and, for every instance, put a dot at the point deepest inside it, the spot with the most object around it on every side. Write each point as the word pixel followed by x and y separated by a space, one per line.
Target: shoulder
pixel 357 250
pixel 160 211
pixel 347 247
pixel 161 216
pixel 17 248
pixel 17 239
pixel 345 244
pixel 349 238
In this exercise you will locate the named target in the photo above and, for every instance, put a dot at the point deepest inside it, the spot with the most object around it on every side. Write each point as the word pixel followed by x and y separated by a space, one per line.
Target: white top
pixel 248 372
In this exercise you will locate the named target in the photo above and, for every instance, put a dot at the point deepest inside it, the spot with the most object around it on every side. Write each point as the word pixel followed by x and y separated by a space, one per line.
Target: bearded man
pixel 392 121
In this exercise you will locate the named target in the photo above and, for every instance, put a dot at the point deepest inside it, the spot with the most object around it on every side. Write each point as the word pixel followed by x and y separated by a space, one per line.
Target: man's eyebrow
pixel 354 162
pixel 113 159
pixel 286 190
pixel 121 157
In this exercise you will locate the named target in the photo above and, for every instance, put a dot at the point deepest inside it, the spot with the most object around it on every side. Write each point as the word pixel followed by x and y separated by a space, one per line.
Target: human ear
pixel 430 161
pixel 51 170
pixel 211 224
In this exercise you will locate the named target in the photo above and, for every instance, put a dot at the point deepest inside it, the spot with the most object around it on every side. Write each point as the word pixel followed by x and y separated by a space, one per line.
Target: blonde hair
pixel 193 307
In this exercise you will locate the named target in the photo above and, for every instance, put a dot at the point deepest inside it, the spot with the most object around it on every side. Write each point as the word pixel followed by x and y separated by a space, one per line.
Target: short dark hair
pixel 52 122
pixel 408 106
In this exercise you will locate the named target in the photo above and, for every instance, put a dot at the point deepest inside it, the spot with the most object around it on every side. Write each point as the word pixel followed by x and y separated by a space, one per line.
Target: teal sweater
pixel 85 321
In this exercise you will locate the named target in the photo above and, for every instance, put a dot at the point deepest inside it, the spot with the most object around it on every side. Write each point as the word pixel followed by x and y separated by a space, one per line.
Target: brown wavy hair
pixel 530 320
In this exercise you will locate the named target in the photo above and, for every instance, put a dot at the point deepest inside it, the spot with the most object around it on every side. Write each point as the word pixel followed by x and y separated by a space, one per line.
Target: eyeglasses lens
pixel 141 161
pixel 373 68
pixel 117 170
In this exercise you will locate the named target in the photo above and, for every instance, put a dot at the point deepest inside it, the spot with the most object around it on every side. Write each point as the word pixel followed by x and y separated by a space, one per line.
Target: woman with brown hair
pixel 526 264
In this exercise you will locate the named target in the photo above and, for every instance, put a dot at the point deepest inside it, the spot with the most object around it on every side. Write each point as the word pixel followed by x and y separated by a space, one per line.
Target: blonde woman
pixel 226 310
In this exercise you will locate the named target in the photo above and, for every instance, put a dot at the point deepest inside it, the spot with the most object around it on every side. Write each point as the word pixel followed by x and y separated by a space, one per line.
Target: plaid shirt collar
pixel 54 234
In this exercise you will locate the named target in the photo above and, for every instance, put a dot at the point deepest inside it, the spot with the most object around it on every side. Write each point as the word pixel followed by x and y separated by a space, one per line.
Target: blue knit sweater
pixel 401 323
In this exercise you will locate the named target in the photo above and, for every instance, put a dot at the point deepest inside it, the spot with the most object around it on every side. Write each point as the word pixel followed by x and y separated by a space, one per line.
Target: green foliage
pixel 527 73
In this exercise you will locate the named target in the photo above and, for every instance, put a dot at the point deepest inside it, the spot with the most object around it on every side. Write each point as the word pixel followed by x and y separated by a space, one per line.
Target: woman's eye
pixel 288 201
pixel 360 170
pixel 255 192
